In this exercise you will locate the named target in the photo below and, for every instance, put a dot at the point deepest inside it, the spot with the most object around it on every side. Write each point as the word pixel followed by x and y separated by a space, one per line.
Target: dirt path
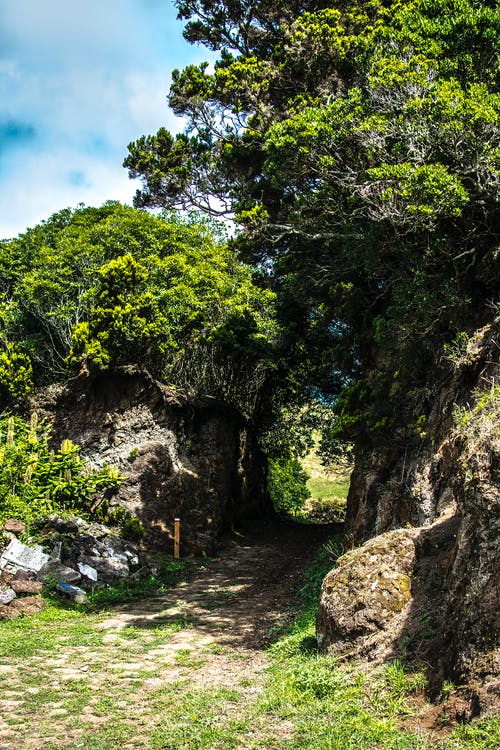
pixel 232 606
pixel 237 598
pixel 130 667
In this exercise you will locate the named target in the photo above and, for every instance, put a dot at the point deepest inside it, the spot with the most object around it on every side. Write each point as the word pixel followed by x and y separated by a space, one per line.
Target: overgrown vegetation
pixel 357 144
pixel 96 288
pixel 335 706
pixel 287 484
pixel 36 480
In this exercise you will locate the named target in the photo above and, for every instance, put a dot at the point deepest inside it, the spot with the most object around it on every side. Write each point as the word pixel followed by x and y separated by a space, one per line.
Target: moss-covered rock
pixel 366 592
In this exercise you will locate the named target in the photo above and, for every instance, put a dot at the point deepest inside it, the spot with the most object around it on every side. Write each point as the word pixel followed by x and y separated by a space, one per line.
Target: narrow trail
pixel 251 587
pixel 131 667
pixel 231 607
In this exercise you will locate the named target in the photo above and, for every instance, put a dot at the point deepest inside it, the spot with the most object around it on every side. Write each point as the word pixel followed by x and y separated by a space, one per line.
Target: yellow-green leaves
pixel 35 479
pixel 16 373
pixel 415 192
pixel 115 286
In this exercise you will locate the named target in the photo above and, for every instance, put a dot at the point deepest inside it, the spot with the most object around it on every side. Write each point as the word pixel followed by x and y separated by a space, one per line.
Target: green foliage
pixel 133 529
pixel 287 484
pixel 97 288
pixel 35 480
pixel 125 322
pixel 16 374
pixel 358 146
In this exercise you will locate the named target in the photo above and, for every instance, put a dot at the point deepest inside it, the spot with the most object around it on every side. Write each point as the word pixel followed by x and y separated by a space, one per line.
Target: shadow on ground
pixel 239 599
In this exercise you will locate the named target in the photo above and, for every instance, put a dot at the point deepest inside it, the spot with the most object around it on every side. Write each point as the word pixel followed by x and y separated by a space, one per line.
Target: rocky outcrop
pixel 365 596
pixel 425 581
pixel 196 461
pixel 72 551
pixel 385 599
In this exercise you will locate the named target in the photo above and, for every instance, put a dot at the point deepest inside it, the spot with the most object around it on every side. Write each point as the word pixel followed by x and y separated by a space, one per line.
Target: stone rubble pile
pixel 82 556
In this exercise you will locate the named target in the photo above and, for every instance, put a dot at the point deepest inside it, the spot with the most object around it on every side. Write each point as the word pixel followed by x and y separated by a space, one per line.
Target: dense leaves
pixel 35 480
pixel 98 288
pixel 287 483
pixel 357 144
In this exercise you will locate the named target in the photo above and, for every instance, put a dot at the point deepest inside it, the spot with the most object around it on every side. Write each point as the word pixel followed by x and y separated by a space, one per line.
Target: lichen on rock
pixel 366 592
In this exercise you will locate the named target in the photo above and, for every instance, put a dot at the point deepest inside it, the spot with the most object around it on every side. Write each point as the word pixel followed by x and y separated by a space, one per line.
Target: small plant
pixel 402 684
pixel 132 529
pixel 456 350
pixel 36 480
pixel 447 688
pixel 111 515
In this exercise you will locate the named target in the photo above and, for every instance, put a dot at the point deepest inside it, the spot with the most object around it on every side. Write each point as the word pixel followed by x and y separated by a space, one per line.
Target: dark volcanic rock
pixel 196 461
pixel 107 567
pixel 62 573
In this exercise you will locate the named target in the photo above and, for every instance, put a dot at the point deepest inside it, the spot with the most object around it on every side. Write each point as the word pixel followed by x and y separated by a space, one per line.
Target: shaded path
pixel 238 598
pixel 141 675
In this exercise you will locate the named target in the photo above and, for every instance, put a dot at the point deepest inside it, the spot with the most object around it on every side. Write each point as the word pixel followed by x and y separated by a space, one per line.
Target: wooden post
pixel 177 537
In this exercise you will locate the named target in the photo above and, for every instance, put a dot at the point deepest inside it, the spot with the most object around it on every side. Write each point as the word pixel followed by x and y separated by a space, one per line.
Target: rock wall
pixel 196 461
pixel 426 514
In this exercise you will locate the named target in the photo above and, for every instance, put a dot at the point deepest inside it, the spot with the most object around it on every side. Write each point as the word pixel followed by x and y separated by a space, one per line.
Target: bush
pixel 35 480
pixel 287 484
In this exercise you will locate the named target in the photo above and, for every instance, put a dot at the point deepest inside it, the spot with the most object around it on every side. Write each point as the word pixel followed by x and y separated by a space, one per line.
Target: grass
pixel 170 572
pixel 337 707
pixel 328 488
pixel 65 684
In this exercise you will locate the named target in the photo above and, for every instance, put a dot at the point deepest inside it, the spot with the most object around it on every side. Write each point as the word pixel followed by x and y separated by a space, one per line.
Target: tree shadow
pixel 240 598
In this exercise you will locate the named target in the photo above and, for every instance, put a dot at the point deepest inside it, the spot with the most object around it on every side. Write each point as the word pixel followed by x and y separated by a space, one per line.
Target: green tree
pixel 357 145
pixel 97 288
pixel 287 483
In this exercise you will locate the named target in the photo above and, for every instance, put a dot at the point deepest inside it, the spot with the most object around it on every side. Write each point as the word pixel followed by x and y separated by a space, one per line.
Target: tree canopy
pixel 94 288
pixel 357 146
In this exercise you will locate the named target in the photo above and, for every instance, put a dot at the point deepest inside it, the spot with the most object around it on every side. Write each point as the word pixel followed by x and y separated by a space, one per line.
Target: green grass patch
pixel 323 488
pixel 328 488
pixel 333 706
pixel 48 632
pixel 170 572
pixel 81 690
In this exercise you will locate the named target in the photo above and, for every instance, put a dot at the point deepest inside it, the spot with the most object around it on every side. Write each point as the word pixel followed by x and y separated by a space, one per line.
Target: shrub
pixel 287 484
pixel 35 480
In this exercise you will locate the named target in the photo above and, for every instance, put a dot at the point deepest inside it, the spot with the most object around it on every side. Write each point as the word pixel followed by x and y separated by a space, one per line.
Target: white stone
pixel 6 595
pixel 88 571
pixel 28 558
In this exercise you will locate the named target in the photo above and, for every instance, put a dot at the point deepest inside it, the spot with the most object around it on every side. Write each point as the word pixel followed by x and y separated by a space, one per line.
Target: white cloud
pixel 147 101
pixel 78 82
pixel 52 182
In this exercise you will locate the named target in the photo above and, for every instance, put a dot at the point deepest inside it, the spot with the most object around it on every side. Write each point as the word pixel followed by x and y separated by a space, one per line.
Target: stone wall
pixel 194 460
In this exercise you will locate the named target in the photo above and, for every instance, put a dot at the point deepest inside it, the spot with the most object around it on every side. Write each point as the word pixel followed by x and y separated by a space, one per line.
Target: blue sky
pixel 78 82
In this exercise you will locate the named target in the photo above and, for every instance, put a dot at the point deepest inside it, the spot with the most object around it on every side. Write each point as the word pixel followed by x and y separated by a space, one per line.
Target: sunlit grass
pixel 81 690
pixel 328 488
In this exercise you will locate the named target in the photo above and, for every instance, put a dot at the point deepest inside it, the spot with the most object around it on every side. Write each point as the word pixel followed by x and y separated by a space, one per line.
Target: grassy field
pixel 328 488
pixel 76 677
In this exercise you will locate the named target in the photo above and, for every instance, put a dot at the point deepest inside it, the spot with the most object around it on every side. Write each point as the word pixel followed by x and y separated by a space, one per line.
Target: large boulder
pixel 363 600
